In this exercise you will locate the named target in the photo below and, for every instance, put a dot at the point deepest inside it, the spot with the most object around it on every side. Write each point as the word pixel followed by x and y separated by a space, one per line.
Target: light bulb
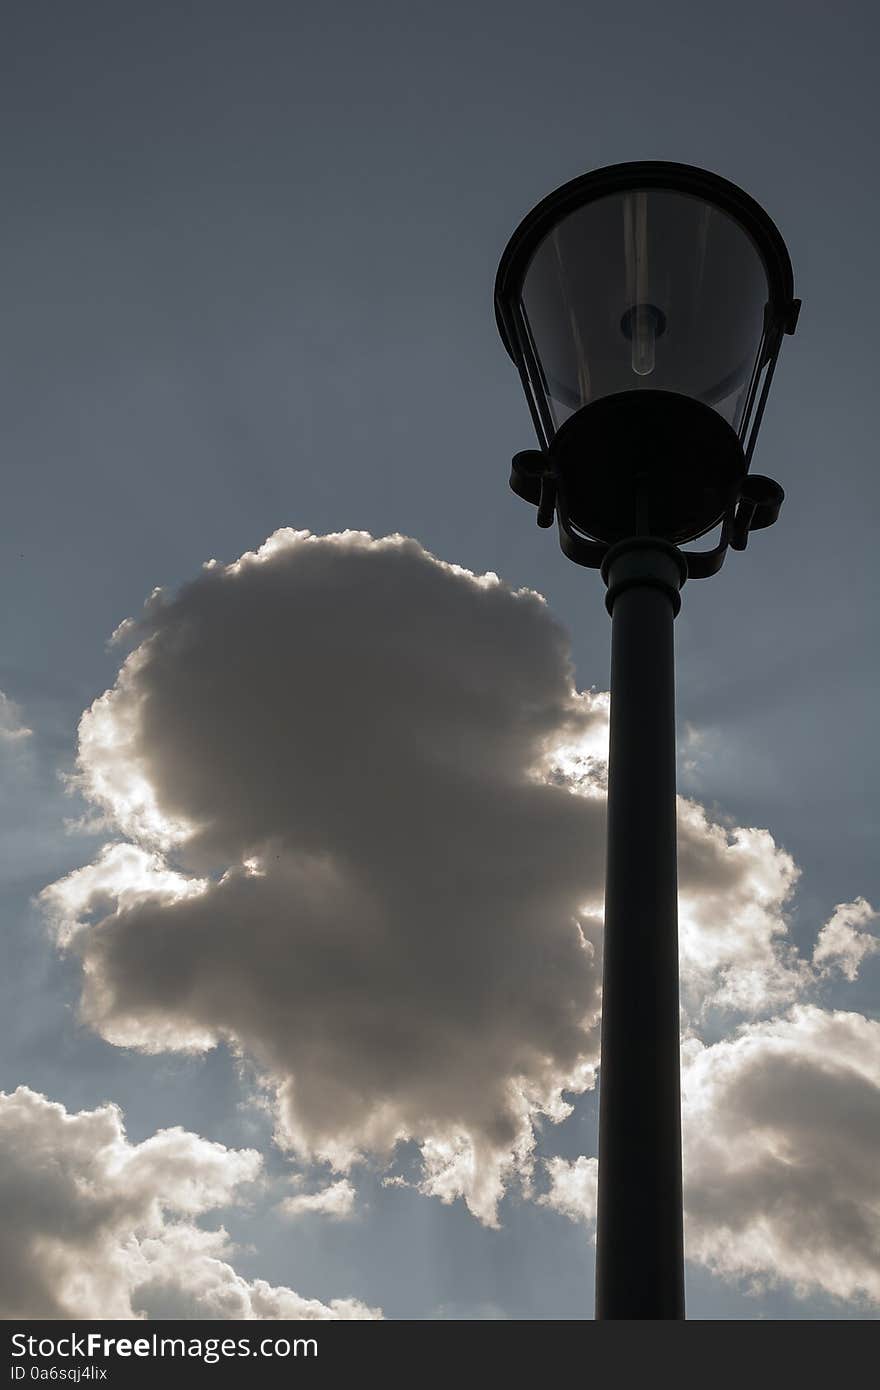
pixel 643 324
pixel 644 335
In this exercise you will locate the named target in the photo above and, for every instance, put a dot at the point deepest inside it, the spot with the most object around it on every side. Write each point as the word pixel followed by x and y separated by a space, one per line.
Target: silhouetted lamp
pixel 644 306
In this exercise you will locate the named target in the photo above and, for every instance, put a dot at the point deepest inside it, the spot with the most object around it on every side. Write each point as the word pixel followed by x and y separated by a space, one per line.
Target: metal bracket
pixel 533 478
pixel 702 564
pixel 758 506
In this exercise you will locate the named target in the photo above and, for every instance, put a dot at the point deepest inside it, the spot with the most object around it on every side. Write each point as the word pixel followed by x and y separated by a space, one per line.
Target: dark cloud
pixel 344 737
pixel 367 807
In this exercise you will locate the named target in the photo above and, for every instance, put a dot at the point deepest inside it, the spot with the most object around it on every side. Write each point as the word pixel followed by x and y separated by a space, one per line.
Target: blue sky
pixel 248 258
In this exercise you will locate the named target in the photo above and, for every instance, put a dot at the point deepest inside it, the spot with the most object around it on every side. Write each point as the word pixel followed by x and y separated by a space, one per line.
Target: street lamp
pixel 644 306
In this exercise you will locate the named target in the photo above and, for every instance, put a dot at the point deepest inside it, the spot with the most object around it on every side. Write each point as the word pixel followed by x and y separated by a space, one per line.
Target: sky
pixel 304 720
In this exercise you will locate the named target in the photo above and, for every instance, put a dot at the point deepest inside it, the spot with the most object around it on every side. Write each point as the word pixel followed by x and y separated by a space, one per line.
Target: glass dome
pixel 650 276
pixel 647 289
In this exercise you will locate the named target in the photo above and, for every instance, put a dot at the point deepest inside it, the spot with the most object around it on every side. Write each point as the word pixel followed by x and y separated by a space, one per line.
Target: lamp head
pixel 644 306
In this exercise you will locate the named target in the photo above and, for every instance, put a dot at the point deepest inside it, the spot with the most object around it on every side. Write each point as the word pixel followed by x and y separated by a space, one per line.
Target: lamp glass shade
pixel 652 289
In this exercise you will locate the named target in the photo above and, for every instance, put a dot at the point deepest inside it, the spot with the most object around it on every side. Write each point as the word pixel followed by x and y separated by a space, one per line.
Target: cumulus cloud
pixel 364 810
pixel 781 1131
pixel 336 1201
pixel 573 1188
pixel 344 857
pixel 781 1121
pixel 735 885
pixel 782 1126
pixel 97 1227
pixel 186 1274
pixel 843 944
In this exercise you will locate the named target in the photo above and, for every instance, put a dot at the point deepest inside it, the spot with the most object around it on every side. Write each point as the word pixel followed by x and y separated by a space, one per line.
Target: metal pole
pixel 639 1236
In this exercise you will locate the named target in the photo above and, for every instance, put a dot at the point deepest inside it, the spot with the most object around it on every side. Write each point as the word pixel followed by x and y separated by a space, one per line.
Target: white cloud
pixel 573 1188
pixel 114 769
pixel 336 1201
pixel 11 727
pixel 782 1132
pixel 186 1274
pixel 842 945
pixel 123 876
pixel 97 1227
pixel 735 884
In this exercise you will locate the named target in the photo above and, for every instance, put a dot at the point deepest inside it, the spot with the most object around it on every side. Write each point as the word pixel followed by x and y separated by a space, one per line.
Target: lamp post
pixel 644 306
